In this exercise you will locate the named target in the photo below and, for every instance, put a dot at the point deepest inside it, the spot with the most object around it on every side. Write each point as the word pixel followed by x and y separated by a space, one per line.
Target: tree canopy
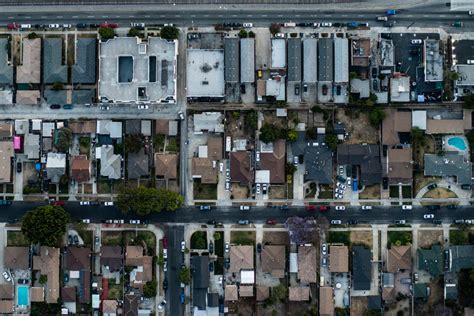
pixel 134 32
pixel 149 289
pixel 185 275
pixel 301 230
pixel 469 101
pixel 376 117
pixel 133 143
pixel 144 201
pixel 269 133
pixel 64 139
pixel 45 225
pixel 169 32
pixel 106 33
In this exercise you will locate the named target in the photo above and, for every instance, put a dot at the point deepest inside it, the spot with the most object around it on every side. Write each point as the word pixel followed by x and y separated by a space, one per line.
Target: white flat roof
pixel 341 60
pixel 262 176
pixel 418 119
pixel 278 53
pixel 205 73
pixel 247 276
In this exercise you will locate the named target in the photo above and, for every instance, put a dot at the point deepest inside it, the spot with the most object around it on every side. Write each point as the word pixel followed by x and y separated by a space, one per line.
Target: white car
pixel 227 186
pixel 162 305
pixel 338 196
pixel 143 106
pixel 341 186
pixel 340 208
pixel 227 247
pixel 339 191
pixel 416 41
pixel 165 266
pixel 109 203
pixel 6 276
pixel 257 156
pixel 181 115
pixel 135 221
pixel 428 216
pixel 280 35
pixel 244 208
pixel 137 24
pixel 366 207
pixel 220 280
pixel 85 203
pixel 183 246
pixel 86 221
pixel 326 24
pixel 53 26
pixel 407 207
pixel 336 222
pixel 165 253
pixel 324 249
pixel 118 221
pixel 257 188
pixel 67 26
pixel 248 25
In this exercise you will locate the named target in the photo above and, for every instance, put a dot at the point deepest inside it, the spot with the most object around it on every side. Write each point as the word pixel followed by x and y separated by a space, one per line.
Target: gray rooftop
pixel 83 96
pixel 341 60
pixel 325 59
pixel 387 52
pixel 138 164
pixel 132 71
pixel 205 73
pixel 247 60
pixel 318 162
pixel 294 59
pixel 361 268
pixel 466 74
pixel 433 61
pixel 110 163
pixel 365 156
pixel 310 60
pixel 231 59
pixel 449 165
pixel 6 70
pixel 55 96
pixel 200 277
pixel 462 257
pixel 84 69
pixel 54 70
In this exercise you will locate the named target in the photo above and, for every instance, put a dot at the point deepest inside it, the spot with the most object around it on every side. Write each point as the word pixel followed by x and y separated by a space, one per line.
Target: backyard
pixel 16 239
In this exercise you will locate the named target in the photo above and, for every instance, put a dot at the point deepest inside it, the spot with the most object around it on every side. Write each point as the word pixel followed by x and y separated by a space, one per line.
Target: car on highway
pixel 143 107
pixel 108 203
pixel 183 246
pixel 137 25
pixel 366 207
pixel 245 208
pixel 326 24
pixel 428 216
pixel 135 221
pixel 85 203
pixel 248 25
pixel 382 18
pixel 86 221
pixel 391 12
pixel 407 207
pixel 336 222
pixel 211 248
pixel 400 222
pixel 227 247
pixel 243 222
pixel 6 276
pixel 55 106
pixel 340 208
pixel 324 249
pixel 271 222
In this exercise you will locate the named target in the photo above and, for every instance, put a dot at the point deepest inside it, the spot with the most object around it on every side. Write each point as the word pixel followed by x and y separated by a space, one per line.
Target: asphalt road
pixel 226 215
pixel 175 235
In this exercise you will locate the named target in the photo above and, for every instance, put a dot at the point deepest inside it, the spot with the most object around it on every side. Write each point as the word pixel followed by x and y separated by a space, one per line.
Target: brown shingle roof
pixel 6 291
pixel 166 165
pixel 389 294
pixel 246 291
pixel 444 126
pixel 109 306
pixel 399 258
pixel 6 155
pixel 77 259
pixel 166 127
pixel 30 69
pixel 83 127
pixel 214 148
pixel 134 255
pixel 37 294
pixel 203 167
pixel 274 260
pixel 112 257
pixel 130 306
pixel 231 293
pixel 16 258
pixel 240 167
pixel 241 258
pixel 31 97
pixel 263 292
pixel 6 129
pixel 48 264
pixel 298 294
pixel 307 264
pixel 326 301
pixel 394 123
pixel 400 168
pixel 338 259
pixel 6 307
pixel 80 168
pixel 68 294
pixel 275 162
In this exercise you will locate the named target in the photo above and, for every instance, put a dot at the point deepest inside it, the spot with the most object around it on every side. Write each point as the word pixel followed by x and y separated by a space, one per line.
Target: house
pixel 399 88
pixel 109 128
pixel 31 146
pixel 338 259
pixel 166 127
pixel 240 167
pixel 399 258
pixel 83 127
pixel 28 97
pixel 214 148
pixel 109 307
pixel 132 70
pixel 210 122
pixel 6 68
pixel 299 293
pixel 6 291
pixel 110 163
pixel 68 294
pixel 449 164
pixel 37 294
pixel 307 264
pixel 111 258
pixel 421 290
pixel 366 157
pixel 16 258
pixel 326 301
pixel 80 168
pixel 462 257
pixel 231 293
pixel 396 127
pixel 273 259
pixel 200 280
pixel 246 291
pixel 47 263
pixel 54 70
pixel 166 166
pixel 6 129
pixel 241 258
pixel 83 71
pixel 6 155
pixel 6 307
pixel 203 169
pixel 317 161
pixel 143 271
pixel 275 162
pixel 133 127
pixel 138 164
pixel 130 304
pixel 361 268
pixel 78 262
pixel 262 293
pixel 55 166
pixel 30 69
pixel 400 165
pixel 431 260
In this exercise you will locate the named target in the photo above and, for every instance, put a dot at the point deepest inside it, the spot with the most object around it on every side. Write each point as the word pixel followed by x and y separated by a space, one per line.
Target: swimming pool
pixel 22 295
pixel 457 142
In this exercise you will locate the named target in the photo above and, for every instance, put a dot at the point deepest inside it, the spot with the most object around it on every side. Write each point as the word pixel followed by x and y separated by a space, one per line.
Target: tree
pixel 45 225
pixel 43 279
pixel 300 229
pixel 331 141
pixel 32 35
pixel 243 33
pixel 269 133
pixel 236 115
pixel 353 75
pixel 64 139
pixel 149 289
pixel 454 76
pixel 144 201
pixel 169 32
pixel 134 32
pixel 251 120
pixel 469 101
pixel 251 34
pixel 217 236
pixel 198 240
pixel 185 275
pixel 292 135
pixel 279 292
pixel 418 136
pixel 106 33
pixel 290 168
pixel 133 143
pixel 275 28
pixel 161 260
pixel 376 117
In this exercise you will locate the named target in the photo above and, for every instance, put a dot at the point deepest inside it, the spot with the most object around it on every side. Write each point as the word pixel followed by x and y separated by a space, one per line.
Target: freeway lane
pixel 379 215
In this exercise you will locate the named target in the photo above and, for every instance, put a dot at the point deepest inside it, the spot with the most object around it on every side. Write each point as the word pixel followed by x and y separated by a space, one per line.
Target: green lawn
pixel 199 240
pixel 115 290
pixel 325 195
pixel 242 237
pixel 458 237
pixel 16 239
pixel 204 191
pixel 339 238
pixel 406 192
pixel 136 238
pixel 394 193
pixel 112 238
pixel 399 237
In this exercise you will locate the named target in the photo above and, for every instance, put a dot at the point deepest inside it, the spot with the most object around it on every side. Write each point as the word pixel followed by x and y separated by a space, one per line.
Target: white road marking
pixel 360 15
pixel 59 16
pixel 264 15
pixel 90 16
pixel 344 15
pixel 75 16
pixel 105 16
pixel 10 17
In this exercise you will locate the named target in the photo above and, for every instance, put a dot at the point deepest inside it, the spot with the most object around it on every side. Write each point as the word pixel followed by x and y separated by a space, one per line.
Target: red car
pixel 165 242
pixel 111 25
pixel 13 26
pixel 57 203
pixel 271 222
pixel 323 208
pixel 310 207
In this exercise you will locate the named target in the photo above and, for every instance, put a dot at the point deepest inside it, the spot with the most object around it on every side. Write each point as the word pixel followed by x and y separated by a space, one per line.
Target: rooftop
pixel 231 293
pixel 55 166
pixel 399 258
pixel 338 259
pixel 466 75
pixel 135 71
pixel 247 60
pixel 54 68
pixel 83 127
pixel 360 52
pixel 241 258
pixel 361 87
pixel 6 69
pixel 318 162
pixel 112 257
pixel 30 69
pixel 307 264
pixel 433 59
pixel 449 164
pixel 299 293
pixel 48 264
pixel 110 163
pixel 310 60
pixel 80 168
pixel 387 53
pixel 395 122
pixel 231 59
pixel 31 97
pixel 138 164
pixel 400 165
pixel 203 169
pixel 240 167
pixel 400 88
pixel 208 122
pixel 166 127
pixel 431 260
pixel 278 53
pixel 77 259
pixel 326 59
pixel 16 258
pixel 326 301
pixel 83 71
pixel 6 155
pixel 341 60
pixel 275 162
pixel 294 59
pixel 365 156
pixel 205 73
pixel 462 257
pixel 361 268
pixel 274 260
pixel 166 165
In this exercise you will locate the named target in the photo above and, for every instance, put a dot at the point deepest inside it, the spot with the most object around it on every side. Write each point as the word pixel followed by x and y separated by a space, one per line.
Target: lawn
pixel 138 237
pixel 242 237
pixel 199 240
pixel 406 191
pixel 204 191
pixel 219 245
pixel 103 186
pixel 440 193
pixel 112 238
pixel 339 238
pixel 115 290
pixel 370 192
pixel 16 239
pixel 398 238
pixel 172 145
pixel 85 146
pixel 458 237
pixel 394 193
pixel 325 195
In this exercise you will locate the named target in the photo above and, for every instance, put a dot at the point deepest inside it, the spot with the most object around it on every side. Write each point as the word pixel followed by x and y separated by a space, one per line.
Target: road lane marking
pixel 344 15
pixel 59 16
pixel 147 16
pixel 90 16
pixel 75 16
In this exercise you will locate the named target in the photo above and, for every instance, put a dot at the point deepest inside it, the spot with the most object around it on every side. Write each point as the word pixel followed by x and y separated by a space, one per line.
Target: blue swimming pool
pixel 457 142
pixel 22 295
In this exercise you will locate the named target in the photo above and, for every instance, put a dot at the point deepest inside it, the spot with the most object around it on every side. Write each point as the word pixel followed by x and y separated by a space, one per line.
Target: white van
pixel 221 167
pixel 416 41
pixel 289 24
pixel 382 18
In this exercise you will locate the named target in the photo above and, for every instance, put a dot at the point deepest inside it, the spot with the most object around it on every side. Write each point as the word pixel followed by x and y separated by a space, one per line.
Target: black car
pixel 55 106
pixel 165 284
pixel 452 206
pixel 211 248
pixel 437 222
pixel 227 263
pixel 70 239
pixel 433 207
pixel 18 167
pixel 76 239
pixel 211 222
pixel 211 266
pixel 465 186
pixel 385 183
pixel 82 25
pixel 259 247
pixel 432 186
pixel 352 222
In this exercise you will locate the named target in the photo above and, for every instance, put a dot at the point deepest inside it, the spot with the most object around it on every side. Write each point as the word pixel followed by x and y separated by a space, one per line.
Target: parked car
pixel 163 303
pixel 12 26
pixel 165 266
pixel 138 25
pixel 55 106
pixel 165 284
pixel 211 266
pixel 324 208
pixel 211 222
pixel 143 106
pixel 205 207
pixel 432 186
pixel 336 222
pixel 366 207
pixel 271 222
pixel 183 246
pixel 326 24
pixel 407 207
pixel 82 25
pixel 76 239
pixel 248 25
pixel 6 276
pixel 400 222
pixel 428 216
pixel 57 203
pixel 259 247
pixel 135 221
pixel 165 253
pixel 227 263
pixel 352 222
pixel 437 222
pixel 340 208
pixel 165 242
pixel 85 203
pixel 452 206
pixel 53 26
pixel 109 25
pixel 86 221
pixel 433 207
pixel 181 115
pixel 325 89
pixel 108 203
pixel 227 247
pixel 416 41
pixel 284 208
pixel 324 249
pixel 244 208
pixel 243 222
pixel 211 248
pixel 341 186
pixel 341 179
pixel 182 298
pixel 257 188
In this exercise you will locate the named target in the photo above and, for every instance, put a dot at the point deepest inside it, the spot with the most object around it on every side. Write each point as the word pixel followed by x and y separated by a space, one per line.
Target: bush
pixel 251 34
pixel 269 133
pixel 376 117
pixel 243 33
pixel 275 28
pixel 169 32
pixel 149 289
pixel 106 33
pixel 469 101
pixel 134 32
